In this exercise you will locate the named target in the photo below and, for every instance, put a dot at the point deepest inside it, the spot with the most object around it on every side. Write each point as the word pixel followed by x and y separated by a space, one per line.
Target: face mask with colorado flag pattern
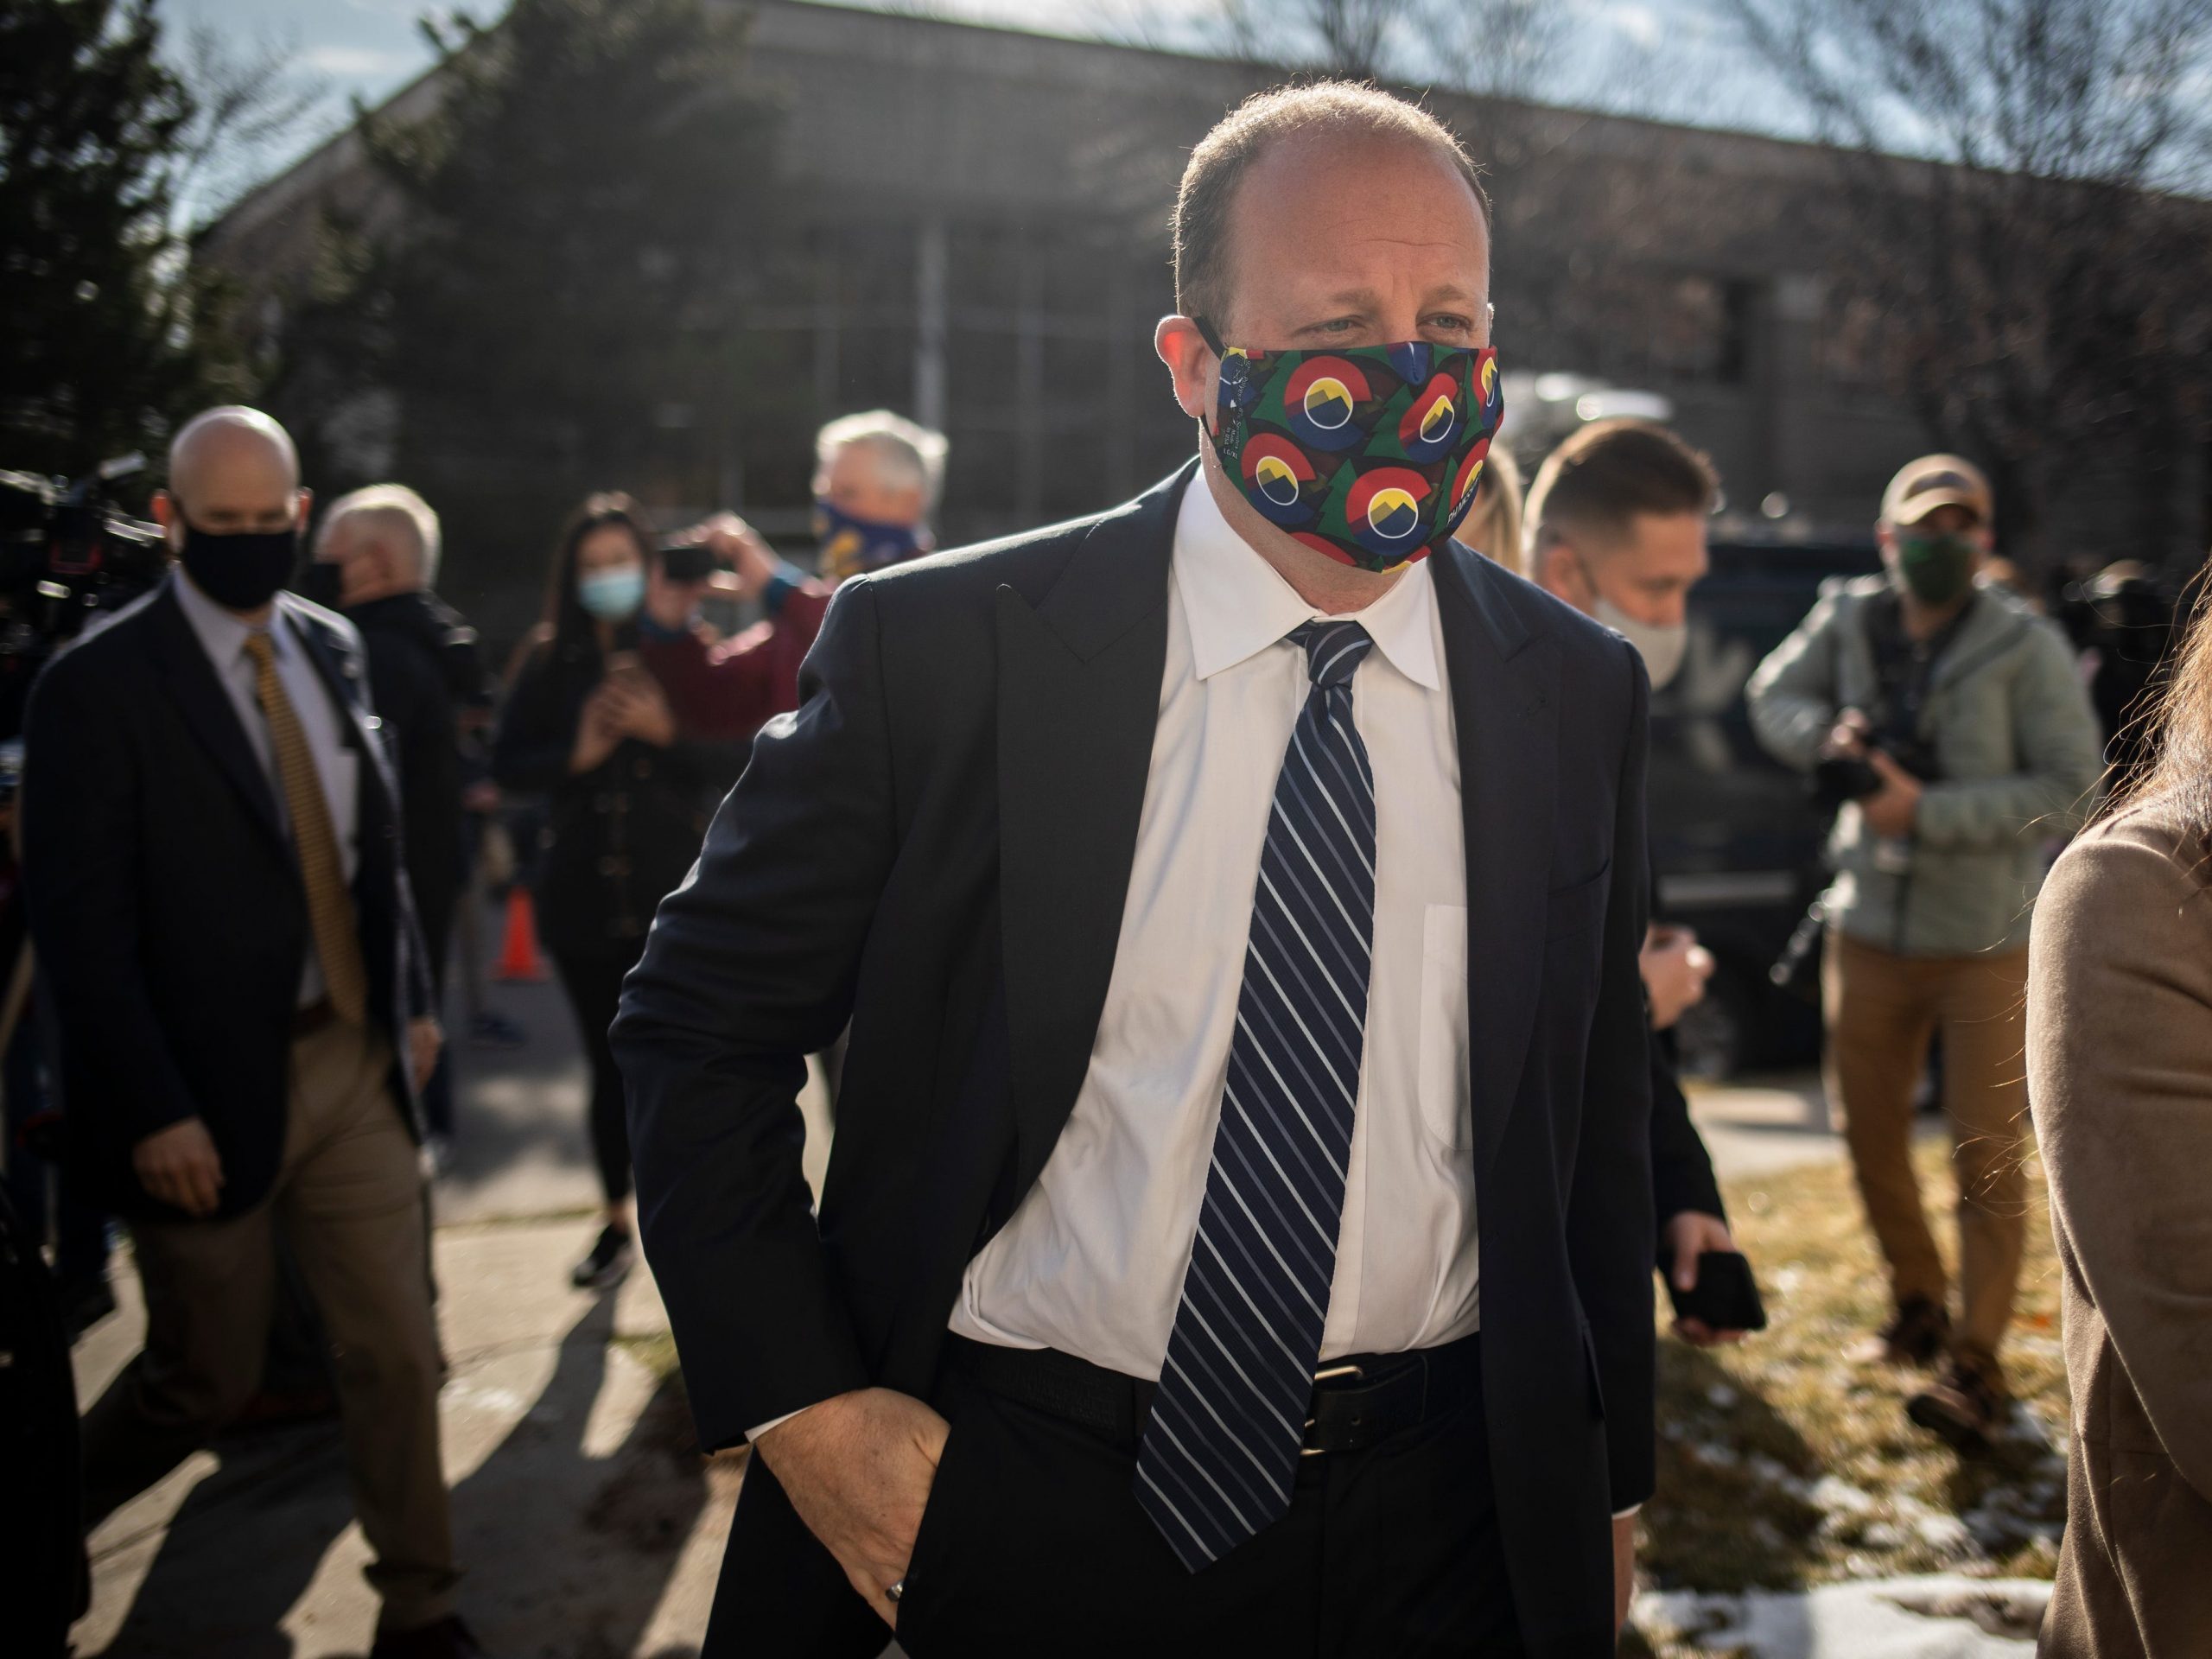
pixel 1367 453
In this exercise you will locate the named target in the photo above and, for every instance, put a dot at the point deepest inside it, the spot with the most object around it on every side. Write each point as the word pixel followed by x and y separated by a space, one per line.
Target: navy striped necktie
pixel 1222 1445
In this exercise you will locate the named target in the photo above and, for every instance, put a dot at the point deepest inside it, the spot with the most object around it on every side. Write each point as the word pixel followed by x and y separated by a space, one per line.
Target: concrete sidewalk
pixel 1763 1124
pixel 590 1526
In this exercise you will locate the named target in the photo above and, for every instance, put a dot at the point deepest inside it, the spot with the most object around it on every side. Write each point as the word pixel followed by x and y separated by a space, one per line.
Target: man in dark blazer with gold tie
pixel 211 857
pixel 1237 1236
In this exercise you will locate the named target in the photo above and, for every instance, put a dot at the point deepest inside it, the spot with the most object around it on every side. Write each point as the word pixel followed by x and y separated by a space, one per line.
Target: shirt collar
pixel 1236 604
pixel 223 633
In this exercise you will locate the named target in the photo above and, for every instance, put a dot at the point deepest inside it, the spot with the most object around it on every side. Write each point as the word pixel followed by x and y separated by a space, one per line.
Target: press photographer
pixel 69 557
pixel 1944 722
pixel 68 554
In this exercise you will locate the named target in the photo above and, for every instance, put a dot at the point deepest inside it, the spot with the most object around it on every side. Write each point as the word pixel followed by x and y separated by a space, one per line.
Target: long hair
pixel 574 633
pixel 1492 526
pixel 2178 731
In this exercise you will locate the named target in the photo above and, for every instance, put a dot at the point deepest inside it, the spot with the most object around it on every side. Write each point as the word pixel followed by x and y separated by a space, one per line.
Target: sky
pixel 369 48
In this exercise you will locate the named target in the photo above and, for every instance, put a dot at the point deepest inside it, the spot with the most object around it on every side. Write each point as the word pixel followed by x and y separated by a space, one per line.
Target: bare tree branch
pixel 2008 173
pixel 245 105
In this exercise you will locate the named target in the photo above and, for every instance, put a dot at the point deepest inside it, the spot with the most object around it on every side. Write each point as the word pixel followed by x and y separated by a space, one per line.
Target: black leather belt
pixel 1357 1401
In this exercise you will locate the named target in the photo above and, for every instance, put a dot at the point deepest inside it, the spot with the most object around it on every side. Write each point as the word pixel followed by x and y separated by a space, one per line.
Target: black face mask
pixel 319 581
pixel 240 571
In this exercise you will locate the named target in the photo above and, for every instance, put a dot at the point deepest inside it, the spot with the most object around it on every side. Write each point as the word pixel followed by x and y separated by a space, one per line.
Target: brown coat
pixel 2119 1070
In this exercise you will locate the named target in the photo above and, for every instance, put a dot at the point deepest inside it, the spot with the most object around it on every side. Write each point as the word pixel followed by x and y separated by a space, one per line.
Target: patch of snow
pixel 1839 1498
pixel 1766 1470
pixel 1938 1617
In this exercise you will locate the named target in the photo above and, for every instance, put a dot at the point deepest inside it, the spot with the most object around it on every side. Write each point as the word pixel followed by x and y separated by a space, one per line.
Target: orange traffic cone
pixel 519 958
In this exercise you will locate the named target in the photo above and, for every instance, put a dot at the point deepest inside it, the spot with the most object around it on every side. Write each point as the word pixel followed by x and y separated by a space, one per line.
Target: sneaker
pixel 1917 1336
pixel 1964 1408
pixel 489 1030
pixel 447 1639
pixel 609 1263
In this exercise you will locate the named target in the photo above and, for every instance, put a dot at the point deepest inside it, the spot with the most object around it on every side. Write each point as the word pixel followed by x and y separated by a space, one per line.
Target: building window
pixel 1859 345
pixel 1700 329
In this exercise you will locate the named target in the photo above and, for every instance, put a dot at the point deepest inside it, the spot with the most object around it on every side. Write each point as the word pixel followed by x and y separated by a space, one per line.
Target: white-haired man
pixel 376 556
pixel 877 477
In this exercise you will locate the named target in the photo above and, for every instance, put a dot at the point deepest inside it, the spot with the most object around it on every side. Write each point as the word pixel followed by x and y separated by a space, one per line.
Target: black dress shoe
pixel 448 1639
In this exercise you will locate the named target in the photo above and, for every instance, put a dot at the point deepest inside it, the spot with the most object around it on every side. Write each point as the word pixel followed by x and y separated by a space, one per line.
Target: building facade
pixel 982 243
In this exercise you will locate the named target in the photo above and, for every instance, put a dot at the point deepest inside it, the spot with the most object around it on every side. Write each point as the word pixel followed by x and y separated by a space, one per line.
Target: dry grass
pixel 1783 1462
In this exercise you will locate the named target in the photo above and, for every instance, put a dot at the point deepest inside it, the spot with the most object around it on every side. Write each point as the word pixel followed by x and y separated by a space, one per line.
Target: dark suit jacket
pixel 1682 1169
pixel 166 904
pixel 424 669
pixel 938 844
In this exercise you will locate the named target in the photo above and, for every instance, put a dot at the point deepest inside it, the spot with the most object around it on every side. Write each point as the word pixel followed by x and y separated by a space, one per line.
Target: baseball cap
pixel 1934 481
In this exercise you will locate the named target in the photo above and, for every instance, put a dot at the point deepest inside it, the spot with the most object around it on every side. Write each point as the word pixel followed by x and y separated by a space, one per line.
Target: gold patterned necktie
pixel 330 906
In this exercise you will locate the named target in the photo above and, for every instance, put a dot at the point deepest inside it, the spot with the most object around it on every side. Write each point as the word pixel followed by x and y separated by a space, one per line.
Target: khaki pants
pixel 1882 1010
pixel 349 1197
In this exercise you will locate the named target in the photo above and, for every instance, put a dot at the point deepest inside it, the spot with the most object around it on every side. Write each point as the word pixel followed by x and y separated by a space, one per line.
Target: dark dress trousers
pixel 165 907
pixel 938 845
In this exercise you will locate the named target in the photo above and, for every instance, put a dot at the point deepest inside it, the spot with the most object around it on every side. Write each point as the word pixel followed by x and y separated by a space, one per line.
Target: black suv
pixel 1736 842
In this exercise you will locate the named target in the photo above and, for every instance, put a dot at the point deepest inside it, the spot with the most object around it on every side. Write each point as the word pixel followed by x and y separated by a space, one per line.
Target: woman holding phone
pixel 631 769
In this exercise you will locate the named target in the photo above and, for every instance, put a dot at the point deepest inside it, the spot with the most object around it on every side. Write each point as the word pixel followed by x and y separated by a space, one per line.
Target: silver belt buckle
pixel 1323 1375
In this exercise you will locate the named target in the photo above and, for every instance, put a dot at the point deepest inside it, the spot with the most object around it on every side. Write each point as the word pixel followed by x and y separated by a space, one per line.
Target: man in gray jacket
pixel 1945 722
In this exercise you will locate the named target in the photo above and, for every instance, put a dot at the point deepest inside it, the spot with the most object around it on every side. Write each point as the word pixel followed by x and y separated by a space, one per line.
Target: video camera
pixel 1841 779
pixel 66 554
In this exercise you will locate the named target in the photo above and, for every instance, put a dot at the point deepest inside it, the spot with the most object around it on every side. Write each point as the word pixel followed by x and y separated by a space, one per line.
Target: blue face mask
pixel 850 546
pixel 612 596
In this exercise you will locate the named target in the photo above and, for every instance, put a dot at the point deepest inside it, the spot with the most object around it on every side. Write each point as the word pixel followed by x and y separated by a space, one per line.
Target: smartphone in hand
pixel 1725 1296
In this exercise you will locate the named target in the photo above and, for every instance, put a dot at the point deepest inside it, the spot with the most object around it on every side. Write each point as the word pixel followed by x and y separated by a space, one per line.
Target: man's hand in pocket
pixel 858 1469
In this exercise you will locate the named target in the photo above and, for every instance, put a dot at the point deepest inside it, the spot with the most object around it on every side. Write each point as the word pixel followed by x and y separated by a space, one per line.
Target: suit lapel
pixel 1504 705
pixel 207 708
pixel 337 674
pixel 1079 676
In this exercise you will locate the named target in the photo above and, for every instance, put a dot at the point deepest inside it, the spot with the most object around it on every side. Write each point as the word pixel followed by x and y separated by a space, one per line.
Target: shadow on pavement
pixel 518 1106
pixel 569 1550
pixel 569 1545
pixel 241 1549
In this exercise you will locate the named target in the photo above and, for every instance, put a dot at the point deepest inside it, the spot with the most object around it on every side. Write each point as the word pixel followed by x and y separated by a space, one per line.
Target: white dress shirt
pixel 222 635
pixel 1092 1261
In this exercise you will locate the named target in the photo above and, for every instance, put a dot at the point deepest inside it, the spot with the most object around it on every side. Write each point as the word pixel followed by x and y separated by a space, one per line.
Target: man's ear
pixel 1184 350
pixel 164 508
pixel 306 504
pixel 1554 573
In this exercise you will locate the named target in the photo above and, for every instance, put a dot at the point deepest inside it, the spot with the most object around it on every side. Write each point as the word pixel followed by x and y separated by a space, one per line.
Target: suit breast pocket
pixel 1442 1079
